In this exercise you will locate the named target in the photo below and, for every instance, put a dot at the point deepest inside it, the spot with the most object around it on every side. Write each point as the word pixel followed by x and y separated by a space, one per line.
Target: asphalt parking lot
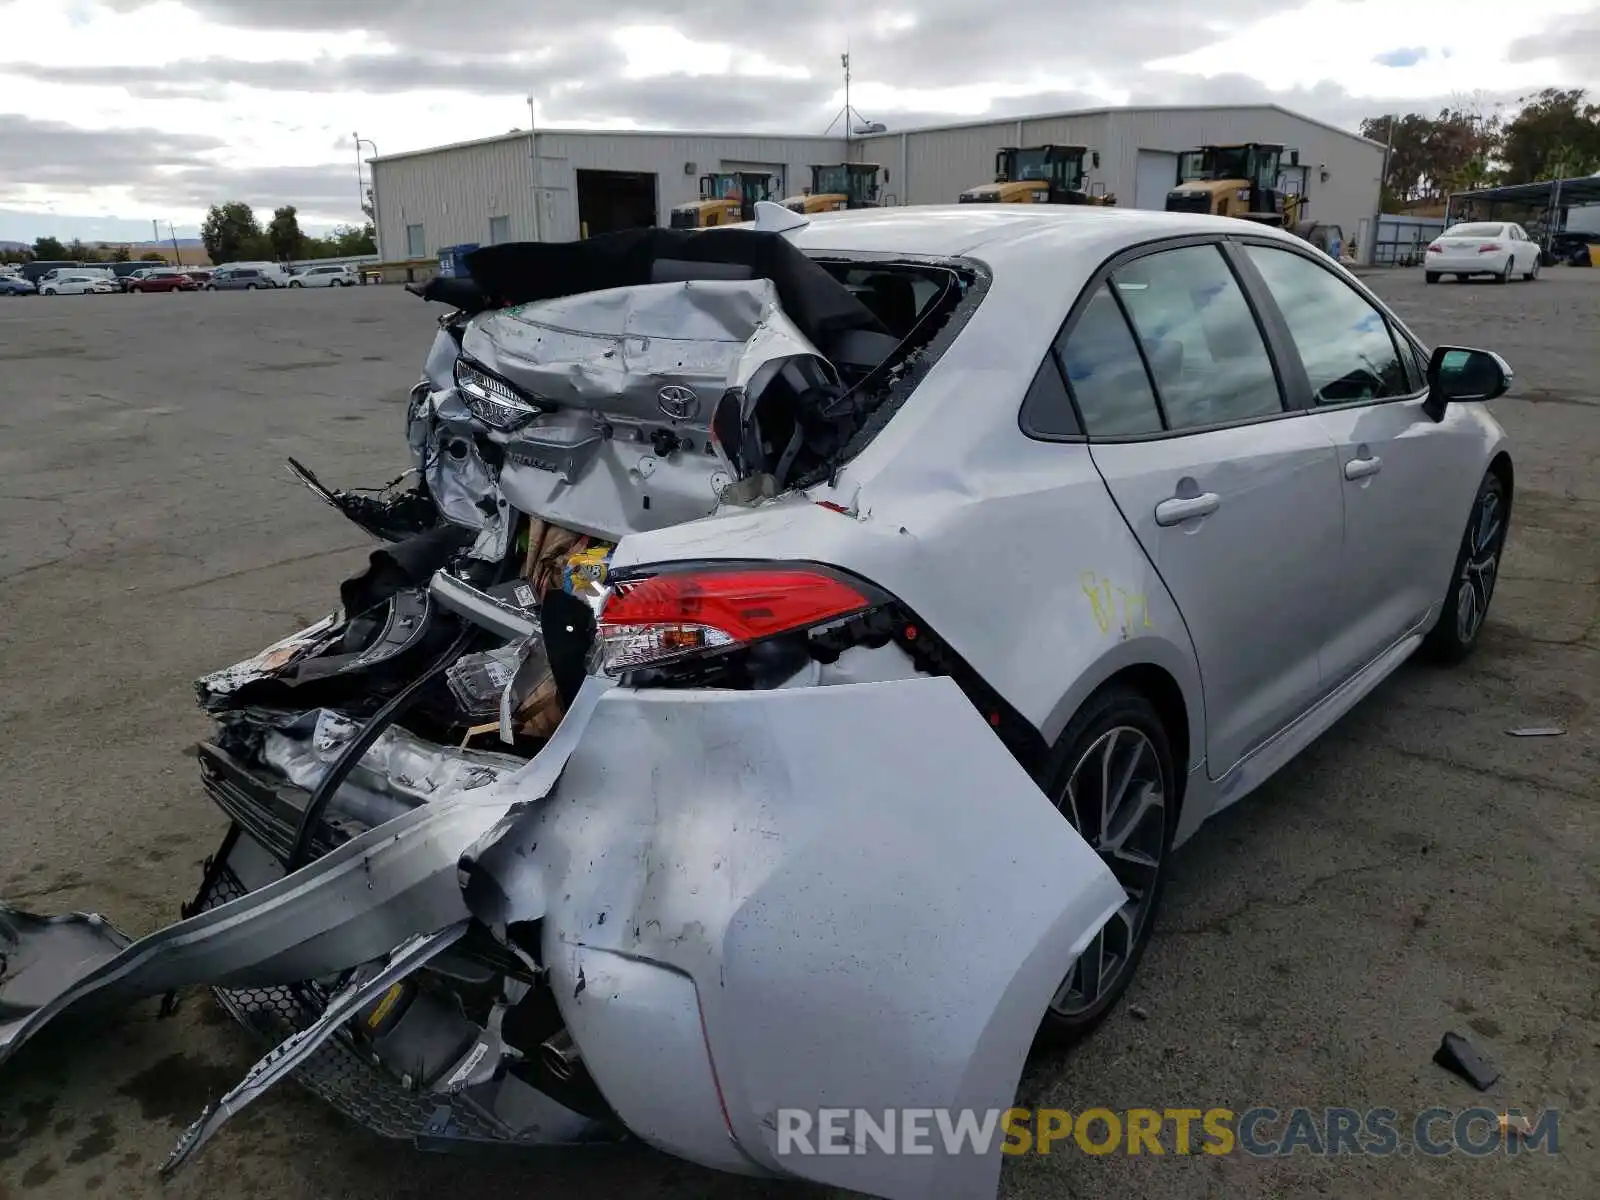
pixel 1417 871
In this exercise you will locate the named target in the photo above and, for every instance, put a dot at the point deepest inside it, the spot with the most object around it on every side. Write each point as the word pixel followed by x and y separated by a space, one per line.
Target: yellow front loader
pixel 1047 174
pixel 725 199
pixel 837 186
pixel 1238 180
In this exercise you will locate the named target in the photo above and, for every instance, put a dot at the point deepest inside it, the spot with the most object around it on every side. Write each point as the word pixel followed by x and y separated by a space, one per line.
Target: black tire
pixel 1477 567
pixel 1530 276
pixel 1121 711
pixel 1430 277
pixel 249 287
pixel 1505 275
pixel 295 283
pixel 211 287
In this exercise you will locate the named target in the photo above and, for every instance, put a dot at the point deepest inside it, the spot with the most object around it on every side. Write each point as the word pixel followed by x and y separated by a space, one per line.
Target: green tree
pixel 151 256
pixel 78 252
pixel 1555 135
pixel 49 249
pixel 1430 157
pixel 349 239
pixel 1406 136
pixel 283 234
pixel 229 231
pixel 120 254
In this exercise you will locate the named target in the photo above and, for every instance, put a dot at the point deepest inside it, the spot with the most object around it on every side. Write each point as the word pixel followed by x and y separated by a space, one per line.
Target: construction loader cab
pixel 837 186
pixel 1239 180
pixel 725 199
pixel 1035 175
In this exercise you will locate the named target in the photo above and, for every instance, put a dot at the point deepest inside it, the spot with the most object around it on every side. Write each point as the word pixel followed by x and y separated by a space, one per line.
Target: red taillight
pixel 1488 247
pixel 1435 248
pixel 678 613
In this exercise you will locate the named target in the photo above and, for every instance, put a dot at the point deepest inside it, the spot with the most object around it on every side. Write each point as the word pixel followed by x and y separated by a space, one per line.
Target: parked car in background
pixel 17 285
pixel 126 278
pixel 75 283
pixel 1499 249
pixel 39 268
pixel 200 275
pixel 277 272
pixel 233 278
pixel 324 276
pixel 165 279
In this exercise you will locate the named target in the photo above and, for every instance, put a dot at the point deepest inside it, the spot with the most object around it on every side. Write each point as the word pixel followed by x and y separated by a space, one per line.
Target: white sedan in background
pixel 329 276
pixel 76 285
pixel 1496 248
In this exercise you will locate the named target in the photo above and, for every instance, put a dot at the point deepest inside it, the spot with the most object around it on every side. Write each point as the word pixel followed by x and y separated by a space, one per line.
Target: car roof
pixel 1005 232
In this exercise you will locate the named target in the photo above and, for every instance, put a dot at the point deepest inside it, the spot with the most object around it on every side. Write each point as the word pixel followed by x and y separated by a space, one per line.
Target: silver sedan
pixel 930 575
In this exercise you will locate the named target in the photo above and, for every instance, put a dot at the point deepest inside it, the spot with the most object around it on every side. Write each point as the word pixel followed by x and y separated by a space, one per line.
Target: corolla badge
pixel 678 402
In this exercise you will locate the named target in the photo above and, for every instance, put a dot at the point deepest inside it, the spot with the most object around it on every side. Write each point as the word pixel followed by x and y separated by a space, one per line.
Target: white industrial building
pixel 483 191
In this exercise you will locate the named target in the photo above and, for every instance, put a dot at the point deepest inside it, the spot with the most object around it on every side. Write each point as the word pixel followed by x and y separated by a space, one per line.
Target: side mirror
pixel 1461 373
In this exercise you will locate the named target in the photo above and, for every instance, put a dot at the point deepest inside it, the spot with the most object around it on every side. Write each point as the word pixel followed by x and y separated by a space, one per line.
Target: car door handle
pixel 1360 468
pixel 1178 509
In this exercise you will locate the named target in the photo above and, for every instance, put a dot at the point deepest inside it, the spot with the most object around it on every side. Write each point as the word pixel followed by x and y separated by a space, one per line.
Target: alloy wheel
pixel 1116 798
pixel 1479 567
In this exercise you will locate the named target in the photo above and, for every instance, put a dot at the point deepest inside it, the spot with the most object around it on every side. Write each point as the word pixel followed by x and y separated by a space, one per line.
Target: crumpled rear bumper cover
pixel 851 895
pixel 748 901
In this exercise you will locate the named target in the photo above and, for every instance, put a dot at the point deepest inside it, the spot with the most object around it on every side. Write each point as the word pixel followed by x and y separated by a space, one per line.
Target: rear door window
pixel 1206 352
pixel 1105 373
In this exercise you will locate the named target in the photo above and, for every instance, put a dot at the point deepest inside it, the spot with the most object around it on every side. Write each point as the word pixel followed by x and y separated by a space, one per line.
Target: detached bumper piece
pixel 351 1079
pixel 337 1070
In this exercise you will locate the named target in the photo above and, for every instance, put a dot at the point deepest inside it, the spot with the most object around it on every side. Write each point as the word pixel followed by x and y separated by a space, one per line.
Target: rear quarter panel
pixel 1010 548
pixel 1025 568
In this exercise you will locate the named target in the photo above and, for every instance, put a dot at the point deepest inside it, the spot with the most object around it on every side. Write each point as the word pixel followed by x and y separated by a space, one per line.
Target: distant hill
pixel 192 249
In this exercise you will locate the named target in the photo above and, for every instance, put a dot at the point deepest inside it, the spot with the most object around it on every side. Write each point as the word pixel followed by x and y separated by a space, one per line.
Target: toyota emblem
pixel 678 402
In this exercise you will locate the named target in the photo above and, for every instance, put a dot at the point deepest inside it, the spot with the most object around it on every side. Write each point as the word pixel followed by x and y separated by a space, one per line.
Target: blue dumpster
pixel 452 259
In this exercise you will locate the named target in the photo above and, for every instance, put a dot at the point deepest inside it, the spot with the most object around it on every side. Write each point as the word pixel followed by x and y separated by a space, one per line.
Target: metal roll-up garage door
pixel 1157 175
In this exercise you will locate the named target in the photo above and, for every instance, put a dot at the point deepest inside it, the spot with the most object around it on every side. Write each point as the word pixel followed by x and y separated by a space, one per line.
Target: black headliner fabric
pixel 523 272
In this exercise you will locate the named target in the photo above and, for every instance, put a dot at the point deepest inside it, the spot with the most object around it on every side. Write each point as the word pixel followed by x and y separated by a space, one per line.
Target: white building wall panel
pixel 676 161
pixel 934 166
pixel 452 193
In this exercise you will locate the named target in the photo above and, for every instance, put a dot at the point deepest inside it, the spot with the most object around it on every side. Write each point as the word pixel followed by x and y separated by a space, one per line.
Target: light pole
pixel 533 161
pixel 361 189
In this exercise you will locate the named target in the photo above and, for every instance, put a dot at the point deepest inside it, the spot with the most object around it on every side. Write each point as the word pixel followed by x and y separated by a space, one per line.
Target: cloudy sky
pixel 114 112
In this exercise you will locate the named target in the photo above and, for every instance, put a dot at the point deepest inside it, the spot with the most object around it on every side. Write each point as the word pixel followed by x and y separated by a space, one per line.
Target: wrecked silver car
pixel 479 886
pixel 762 699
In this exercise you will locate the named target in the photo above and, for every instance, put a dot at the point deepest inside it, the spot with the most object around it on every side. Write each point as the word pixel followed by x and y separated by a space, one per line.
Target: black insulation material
pixel 523 272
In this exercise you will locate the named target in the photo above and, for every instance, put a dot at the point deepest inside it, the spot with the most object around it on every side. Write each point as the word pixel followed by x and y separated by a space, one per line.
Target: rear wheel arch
pixel 1158 686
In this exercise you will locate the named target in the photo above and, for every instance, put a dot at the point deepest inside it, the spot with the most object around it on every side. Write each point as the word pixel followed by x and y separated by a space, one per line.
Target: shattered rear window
pixel 924 304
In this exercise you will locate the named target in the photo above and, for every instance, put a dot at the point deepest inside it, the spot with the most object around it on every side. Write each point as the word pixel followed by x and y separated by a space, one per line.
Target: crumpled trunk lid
pixel 630 380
